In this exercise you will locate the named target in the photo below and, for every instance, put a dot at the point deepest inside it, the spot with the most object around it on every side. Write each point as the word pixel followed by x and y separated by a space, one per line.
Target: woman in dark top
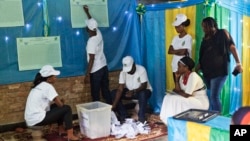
pixel 214 59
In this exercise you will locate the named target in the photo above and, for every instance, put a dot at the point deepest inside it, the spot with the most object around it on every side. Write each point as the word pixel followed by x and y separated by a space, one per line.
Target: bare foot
pixel 73 138
pixel 62 131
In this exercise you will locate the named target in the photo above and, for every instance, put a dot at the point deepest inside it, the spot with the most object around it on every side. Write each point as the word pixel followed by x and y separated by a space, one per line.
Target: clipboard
pixel 170 92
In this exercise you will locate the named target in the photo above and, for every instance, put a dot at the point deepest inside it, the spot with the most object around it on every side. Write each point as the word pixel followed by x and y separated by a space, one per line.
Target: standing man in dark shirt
pixel 214 59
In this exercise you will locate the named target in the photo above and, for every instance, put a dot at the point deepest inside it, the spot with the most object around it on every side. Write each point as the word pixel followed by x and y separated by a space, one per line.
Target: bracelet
pixel 238 64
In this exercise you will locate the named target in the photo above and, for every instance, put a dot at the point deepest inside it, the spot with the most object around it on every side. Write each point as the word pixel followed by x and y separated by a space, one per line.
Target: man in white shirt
pixel 97 71
pixel 133 84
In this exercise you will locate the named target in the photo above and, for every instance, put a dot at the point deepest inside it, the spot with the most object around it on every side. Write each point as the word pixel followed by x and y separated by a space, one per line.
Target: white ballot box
pixel 94 119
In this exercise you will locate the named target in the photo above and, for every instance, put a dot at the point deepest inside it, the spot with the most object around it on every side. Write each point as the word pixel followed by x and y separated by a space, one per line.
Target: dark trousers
pixel 142 98
pixel 99 80
pixel 58 115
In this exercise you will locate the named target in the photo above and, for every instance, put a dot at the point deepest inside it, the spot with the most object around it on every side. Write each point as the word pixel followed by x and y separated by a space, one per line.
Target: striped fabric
pixel 216 129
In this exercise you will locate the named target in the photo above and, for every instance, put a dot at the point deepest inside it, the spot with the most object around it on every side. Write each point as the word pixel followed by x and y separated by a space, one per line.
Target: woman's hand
pixel 86 79
pixel 58 101
pixel 239 68
pixel 86 8
pixel 181 93
pixel 175 90
pixel 177 76
pixel 62 100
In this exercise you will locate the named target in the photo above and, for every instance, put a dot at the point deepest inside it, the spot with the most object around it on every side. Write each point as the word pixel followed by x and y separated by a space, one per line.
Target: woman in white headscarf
pixel 189 91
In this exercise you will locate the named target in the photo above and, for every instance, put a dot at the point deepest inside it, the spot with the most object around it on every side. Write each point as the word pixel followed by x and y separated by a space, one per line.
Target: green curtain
pixel 199 33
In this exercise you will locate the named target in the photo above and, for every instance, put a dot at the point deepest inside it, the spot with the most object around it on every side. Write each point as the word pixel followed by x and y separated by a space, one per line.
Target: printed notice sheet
pixel 97 8
pixel 33 53
pixel 11 13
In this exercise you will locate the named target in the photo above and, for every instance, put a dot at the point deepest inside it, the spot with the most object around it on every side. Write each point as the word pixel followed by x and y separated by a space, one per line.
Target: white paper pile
pixel 129 129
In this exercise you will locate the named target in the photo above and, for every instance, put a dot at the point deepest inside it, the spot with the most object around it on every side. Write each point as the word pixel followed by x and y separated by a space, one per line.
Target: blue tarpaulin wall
pixel 120 38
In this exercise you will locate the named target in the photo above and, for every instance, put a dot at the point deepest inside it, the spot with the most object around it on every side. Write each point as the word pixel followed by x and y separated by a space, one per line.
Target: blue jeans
pixel 214 87
pixel 99 81
pixel 142 98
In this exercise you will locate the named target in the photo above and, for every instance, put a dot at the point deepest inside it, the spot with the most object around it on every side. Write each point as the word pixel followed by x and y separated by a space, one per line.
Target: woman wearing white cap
pixel 182 43
pixel 97 70
pixel 43 105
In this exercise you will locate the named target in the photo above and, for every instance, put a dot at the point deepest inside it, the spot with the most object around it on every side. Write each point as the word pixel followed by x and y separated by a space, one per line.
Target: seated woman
pixel 43 106
pixel 189 91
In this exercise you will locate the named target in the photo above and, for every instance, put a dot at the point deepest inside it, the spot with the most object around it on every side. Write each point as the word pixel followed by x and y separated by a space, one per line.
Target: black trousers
pixel 99 81
pixel 59 115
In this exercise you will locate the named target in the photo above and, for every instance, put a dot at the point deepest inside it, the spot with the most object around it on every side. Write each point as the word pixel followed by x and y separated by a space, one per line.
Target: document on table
pixel 14 16
pixel 97 8
pixel 35 52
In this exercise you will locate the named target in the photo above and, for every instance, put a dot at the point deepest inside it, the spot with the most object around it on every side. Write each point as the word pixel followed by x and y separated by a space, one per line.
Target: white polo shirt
pixel 181 43
pixel 38 103
pixel 95 46
pixel 135 80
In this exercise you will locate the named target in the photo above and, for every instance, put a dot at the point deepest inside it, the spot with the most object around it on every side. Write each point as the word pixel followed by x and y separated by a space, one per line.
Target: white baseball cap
pixel 180 18
pixel 127 63
pixel 91 24
pixel 48 70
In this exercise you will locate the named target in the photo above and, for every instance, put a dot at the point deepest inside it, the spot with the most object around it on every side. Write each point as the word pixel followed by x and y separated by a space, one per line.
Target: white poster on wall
pixel 11 13
pixel 97 8
pixel 35 52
